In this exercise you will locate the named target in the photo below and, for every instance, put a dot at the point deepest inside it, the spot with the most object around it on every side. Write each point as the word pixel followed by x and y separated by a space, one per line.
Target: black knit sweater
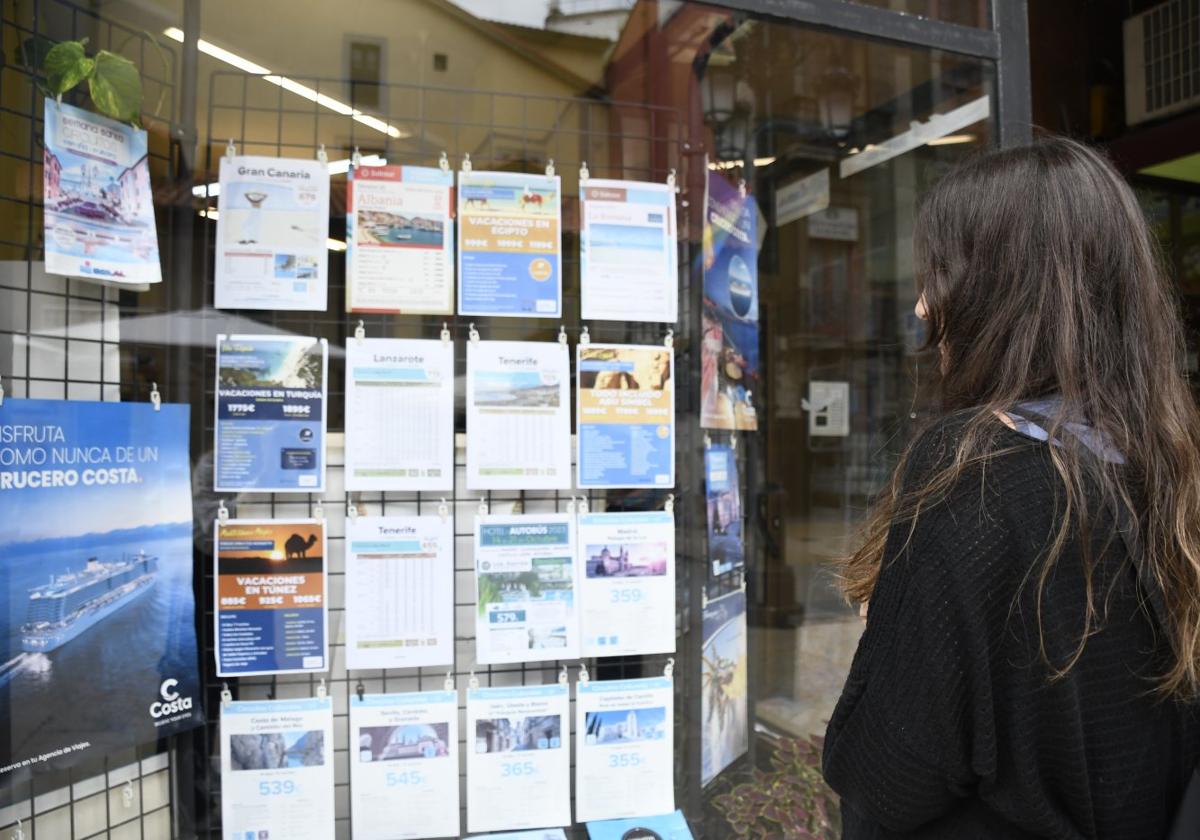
pixel 949 726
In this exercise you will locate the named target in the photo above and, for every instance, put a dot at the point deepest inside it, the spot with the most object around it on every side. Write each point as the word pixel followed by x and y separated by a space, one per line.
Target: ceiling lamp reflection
pixel 291 85
pixel 330 243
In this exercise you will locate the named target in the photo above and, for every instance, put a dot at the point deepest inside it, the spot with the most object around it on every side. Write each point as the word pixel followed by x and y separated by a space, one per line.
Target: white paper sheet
pixel 272 234
pixel 399 238
pixel 518 761
pixel 623 749
pixel 518 416
pixel 399 414
pixel 628 253
pixel 277 769
pixel 399 591
pixel 404 765
pixel 525 583
pixel 626 574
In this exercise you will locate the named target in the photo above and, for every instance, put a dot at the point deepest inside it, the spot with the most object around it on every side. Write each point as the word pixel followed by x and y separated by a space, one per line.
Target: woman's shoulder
pixel 980 444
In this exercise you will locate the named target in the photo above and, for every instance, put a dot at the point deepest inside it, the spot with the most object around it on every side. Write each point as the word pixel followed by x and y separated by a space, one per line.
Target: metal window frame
pixel 1006 43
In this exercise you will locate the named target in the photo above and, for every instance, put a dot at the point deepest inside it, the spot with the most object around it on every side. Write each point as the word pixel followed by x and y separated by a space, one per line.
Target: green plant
pixel 790 801
pixel 113 81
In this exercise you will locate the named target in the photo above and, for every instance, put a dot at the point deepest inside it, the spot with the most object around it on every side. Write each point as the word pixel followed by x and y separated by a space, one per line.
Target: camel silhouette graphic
pixel 297 547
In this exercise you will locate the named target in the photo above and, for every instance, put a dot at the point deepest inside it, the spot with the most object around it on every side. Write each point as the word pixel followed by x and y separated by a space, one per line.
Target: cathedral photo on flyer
pixel 99 648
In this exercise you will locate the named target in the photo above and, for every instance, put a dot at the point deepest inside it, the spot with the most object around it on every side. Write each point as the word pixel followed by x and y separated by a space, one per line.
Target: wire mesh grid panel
pixel 62 339
pixel 416 125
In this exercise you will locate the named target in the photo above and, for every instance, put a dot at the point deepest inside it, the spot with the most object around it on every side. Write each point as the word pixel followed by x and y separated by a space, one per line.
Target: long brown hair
pixel 1040 277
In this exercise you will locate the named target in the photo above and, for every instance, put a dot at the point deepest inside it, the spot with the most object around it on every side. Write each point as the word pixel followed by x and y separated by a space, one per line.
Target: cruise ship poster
pixel 270 597
pixel 98 610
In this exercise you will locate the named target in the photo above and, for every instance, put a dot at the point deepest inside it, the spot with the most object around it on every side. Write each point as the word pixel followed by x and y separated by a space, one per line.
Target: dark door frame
pixel 1006 43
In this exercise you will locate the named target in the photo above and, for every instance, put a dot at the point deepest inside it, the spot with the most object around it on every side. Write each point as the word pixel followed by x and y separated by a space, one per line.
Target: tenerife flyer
pixel 272 234
pixel 270 407
pixel 270 599
pixel 399 240
pixel 729 321
pixel 99 208
pixel 509 244
pixel 626 416
pixel 99 642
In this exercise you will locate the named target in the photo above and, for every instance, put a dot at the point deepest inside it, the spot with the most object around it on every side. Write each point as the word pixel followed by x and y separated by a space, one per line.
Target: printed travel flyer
pixel 729 321
pixel 99 207
pixel 664 827
pixel 518 416
pixel 628 256
pixel 625 416
pixel 726 551
pixel 272 234
pixel 399 591
pixel 99 646
pixel 626 576
pixel 396 383
pixel 518 761
pixel 399 245
pixel 404 769
pixel 724 733
pixel 277 769
pixel 525 585
pixel 624 748
pixel 270 599
pixel 270 414
pixel 509 244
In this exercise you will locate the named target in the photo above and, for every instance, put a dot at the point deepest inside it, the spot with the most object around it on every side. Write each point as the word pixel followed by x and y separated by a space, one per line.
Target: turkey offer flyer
pixel 270 597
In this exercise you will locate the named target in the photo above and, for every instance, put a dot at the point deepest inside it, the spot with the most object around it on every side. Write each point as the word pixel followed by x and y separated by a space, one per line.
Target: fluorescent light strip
pixel 330 243
pixel 336 167
pixel 290 85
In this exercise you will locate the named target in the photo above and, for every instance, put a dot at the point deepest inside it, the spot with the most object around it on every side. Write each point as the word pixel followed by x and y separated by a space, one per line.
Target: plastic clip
pixel 444 162
pixel 226 695
pixel 322 155
pixel 230 149
pixel 466 164
pixel 127 794
pixel 360 690
pixel 572 505
pixel 472 333
pixel 550 168
pixel 583 172
pixel 564 676
pixel 562 334
pixel 733 441
pixel 669 507
pixel 222 512
pixel 155 397
pixel 669 339
pixel 585 337
pixel 584 677
pixel 473 681
pixel 742 187
pixel 448 683
pixel 351 510
pixel 669 668
pixel 19 834
pixel 360 332
pixel 321 689
pixel 1 395
pixel 671 181
pixel 356 158
pixel 707 441
pixel 483 506
pixel 583 505
pixel 443 509
pixel 445 333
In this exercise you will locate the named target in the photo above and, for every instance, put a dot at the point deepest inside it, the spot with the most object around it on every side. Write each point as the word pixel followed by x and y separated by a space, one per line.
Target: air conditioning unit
pixel 1162 61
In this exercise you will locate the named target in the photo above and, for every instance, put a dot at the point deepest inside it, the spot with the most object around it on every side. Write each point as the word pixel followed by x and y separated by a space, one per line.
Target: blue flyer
pixel 666 827
pixel 726 551
pixel 99 645
pixel 729 320
pixel 270 407
pixel 509 244
pixel 625 415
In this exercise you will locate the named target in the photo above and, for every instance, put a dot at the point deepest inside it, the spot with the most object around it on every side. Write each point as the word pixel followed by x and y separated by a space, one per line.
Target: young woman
pixel 1030 665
